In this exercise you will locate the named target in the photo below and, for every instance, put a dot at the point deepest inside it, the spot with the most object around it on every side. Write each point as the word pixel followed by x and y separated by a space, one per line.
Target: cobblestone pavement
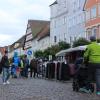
pixel 41 89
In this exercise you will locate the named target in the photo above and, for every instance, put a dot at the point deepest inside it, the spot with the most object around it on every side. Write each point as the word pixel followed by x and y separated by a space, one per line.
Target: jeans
pixel 98 79
pixel 25 72
pixel 6 74
pixel 13 71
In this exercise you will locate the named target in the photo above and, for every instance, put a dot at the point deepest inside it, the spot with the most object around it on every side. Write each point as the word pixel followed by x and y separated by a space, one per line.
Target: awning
pixel 64 52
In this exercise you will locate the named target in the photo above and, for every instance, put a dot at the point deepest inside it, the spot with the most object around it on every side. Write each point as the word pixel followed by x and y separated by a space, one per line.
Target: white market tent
pixel 64 52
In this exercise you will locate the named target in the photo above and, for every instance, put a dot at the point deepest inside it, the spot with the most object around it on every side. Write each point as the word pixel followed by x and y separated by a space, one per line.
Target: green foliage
pixel 38 53
pixel 52 50
pixel 80 42
pixel 63 45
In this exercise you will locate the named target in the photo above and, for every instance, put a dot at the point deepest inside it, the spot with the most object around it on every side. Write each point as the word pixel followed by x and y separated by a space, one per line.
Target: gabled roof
pixel 45 32
pixel 20 41
pixel 37 25
pixel 54 3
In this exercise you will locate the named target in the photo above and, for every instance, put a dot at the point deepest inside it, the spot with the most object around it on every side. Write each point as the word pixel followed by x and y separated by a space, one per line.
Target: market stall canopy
pixel 64 52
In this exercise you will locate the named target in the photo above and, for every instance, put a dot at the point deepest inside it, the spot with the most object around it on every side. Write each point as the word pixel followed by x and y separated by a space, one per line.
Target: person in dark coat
pixel 33 67
pixel 26 66
pixel 0 68
pixel 5 68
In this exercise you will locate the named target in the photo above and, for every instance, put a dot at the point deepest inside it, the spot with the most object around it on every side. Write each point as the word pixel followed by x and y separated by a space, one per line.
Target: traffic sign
pixel 29 52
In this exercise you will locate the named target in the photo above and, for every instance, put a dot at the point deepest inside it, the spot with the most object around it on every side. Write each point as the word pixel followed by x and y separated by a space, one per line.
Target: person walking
pixel 16 62
pixel 33 67
pixel 92 55
pixel 21 67
pixel 26 66
pixel 5 68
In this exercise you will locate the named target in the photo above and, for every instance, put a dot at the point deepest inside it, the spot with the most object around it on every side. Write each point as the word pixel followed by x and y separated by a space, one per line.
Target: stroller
pixel 80 77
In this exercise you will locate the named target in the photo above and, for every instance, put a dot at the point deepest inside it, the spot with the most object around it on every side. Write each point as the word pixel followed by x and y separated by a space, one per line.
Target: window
pixel 64 20
pixel 88 34
pixel 64 36
pixel 94 31
pixel 74 20
pixel 78 3
pixel 83 17
pixel 75 38
pixel 55 24
pixel 87 15
pixel 70 39
pixel 55 39
pixel 93 12
pixel 69 21
pixel 65 3
pixel 74 6
pixel 79 19
pixel 99 9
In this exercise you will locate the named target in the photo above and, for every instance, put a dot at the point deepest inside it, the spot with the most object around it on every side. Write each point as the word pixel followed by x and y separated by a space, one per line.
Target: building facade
pixel 67 20
pixel 92 23
pixel 42 40
pixel 58 25
pixel 17 47
pixel 76 20
pixel 34 27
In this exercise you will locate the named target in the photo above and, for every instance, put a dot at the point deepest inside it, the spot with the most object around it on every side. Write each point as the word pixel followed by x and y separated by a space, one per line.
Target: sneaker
pixel 8 82
pixel 4 83
pixel 98 93
pixel 84 90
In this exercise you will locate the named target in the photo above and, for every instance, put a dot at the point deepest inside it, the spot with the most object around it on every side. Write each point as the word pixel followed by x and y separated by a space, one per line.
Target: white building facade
pixel 76 20
pixel 41 44
pixel 67 21
pixel 44 43
pixel 42 40
pixel 34 45
pixel 58 25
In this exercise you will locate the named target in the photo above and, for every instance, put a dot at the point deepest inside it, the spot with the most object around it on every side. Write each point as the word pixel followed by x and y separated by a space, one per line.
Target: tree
pixel 52 50
pixel 38 53
pixel 63 45
pixel 80 42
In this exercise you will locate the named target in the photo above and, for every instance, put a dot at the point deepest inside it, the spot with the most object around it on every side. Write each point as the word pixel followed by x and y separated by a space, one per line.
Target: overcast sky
pixel 14 15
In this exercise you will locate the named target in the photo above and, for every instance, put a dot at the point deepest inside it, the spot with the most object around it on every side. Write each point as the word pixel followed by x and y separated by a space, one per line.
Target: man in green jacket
pixel 92 54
